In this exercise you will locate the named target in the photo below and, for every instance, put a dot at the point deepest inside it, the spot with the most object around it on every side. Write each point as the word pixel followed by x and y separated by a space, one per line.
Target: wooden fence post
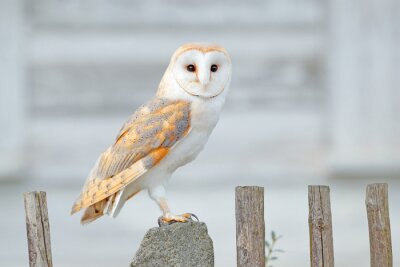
pixel 320 224
pixel 38 229
pixel 379 225
pixel 250 226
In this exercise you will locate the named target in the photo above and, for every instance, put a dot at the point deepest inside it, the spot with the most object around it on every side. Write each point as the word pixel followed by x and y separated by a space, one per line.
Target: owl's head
pixel 201 70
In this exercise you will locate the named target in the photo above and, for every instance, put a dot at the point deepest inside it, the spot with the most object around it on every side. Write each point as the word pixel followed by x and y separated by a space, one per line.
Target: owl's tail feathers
pixel 94 212
pixel 105 206
pixel 110 206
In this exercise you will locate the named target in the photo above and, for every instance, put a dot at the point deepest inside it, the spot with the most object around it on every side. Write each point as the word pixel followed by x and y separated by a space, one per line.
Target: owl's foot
pixel 170 218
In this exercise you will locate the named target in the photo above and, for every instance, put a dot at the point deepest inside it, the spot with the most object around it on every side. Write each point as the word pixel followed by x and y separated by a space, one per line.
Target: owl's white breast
pixel 204 117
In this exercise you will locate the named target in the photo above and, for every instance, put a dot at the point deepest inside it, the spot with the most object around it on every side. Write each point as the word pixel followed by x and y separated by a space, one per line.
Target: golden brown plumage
pixel 142 142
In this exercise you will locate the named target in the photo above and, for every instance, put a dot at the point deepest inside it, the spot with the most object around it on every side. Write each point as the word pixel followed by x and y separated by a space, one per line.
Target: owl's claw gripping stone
pixel 170 219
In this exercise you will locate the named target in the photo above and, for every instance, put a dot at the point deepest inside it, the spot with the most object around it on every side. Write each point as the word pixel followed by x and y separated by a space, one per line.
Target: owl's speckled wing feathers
pixel 142 142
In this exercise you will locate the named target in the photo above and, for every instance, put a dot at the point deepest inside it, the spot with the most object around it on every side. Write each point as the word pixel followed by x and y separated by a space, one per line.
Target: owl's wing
pixel 144 140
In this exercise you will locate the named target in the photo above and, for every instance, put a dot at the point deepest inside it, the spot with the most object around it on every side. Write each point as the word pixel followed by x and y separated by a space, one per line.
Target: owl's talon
pixel 159 221
pixel 170 219
pixel 190 216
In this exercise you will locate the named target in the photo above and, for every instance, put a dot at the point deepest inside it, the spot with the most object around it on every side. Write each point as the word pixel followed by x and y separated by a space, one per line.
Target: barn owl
pixel 162 135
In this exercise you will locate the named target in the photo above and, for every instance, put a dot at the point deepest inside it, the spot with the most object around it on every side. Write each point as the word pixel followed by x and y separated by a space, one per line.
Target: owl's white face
pixel 202 72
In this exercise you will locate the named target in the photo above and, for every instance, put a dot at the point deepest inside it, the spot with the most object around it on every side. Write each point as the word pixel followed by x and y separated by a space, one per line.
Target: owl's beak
pixel 204 78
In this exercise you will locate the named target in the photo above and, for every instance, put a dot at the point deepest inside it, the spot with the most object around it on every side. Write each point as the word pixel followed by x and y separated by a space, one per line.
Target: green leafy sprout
pixel 271 250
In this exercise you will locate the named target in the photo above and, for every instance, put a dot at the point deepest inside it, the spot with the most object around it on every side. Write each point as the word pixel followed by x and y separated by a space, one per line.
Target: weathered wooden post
pixel 320 223
pixel 379 225
pixel 38 229
pixel 250 226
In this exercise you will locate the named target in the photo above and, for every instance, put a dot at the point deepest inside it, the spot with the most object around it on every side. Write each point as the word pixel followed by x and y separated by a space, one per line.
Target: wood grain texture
pixel 250 226
pixel 379 225
pixel 38 229
pixel 320 225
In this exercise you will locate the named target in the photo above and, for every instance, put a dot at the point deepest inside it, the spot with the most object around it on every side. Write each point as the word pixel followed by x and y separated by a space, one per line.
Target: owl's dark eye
pixel 214 68
pixel 191 68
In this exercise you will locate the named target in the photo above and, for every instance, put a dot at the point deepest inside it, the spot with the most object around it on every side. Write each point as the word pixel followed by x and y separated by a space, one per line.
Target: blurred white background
pixel 314 100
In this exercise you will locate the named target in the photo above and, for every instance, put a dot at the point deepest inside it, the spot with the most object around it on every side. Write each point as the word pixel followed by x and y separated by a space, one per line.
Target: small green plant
pixel 271 250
